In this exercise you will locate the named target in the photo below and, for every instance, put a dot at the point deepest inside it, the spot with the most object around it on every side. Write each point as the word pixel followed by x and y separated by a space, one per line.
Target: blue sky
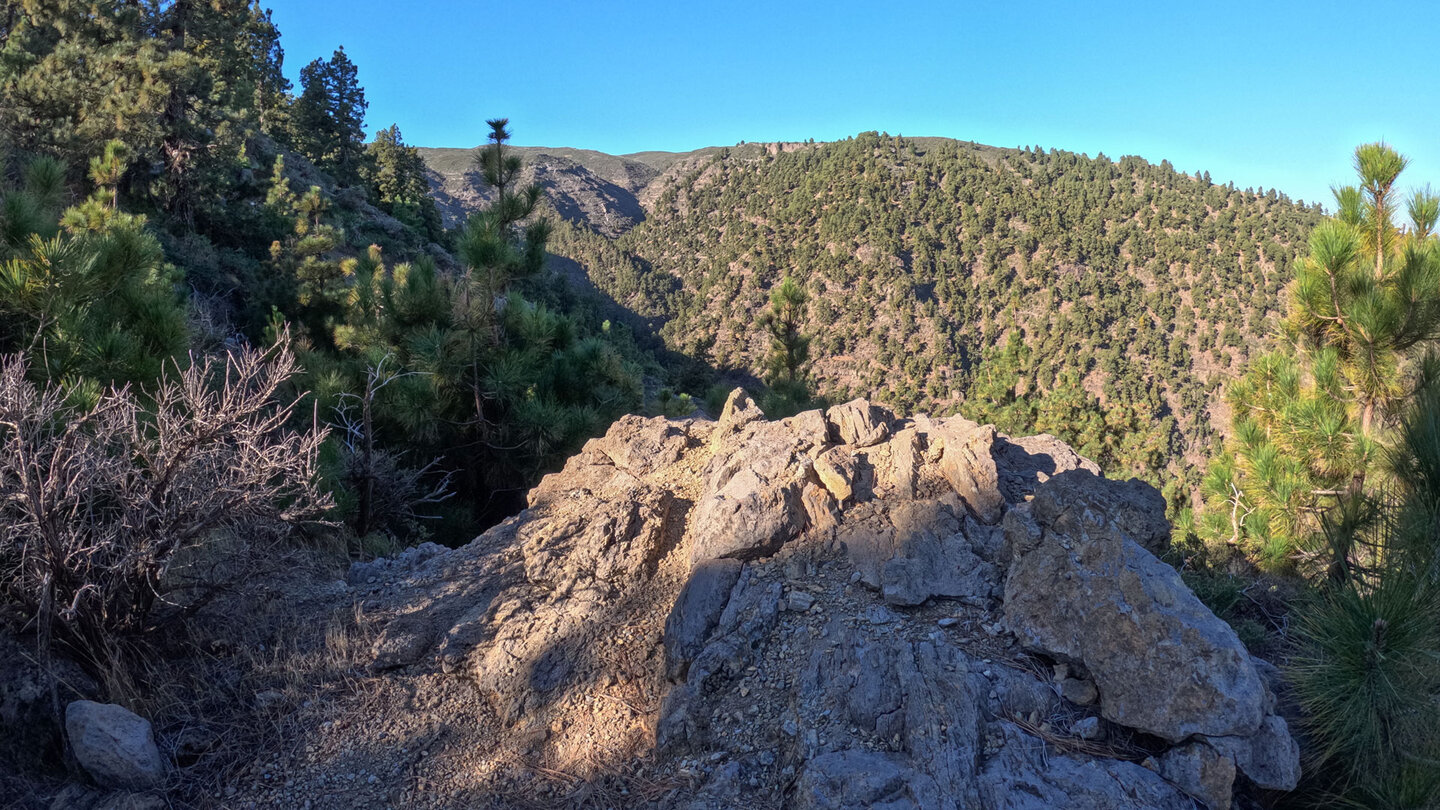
pixel 1264 94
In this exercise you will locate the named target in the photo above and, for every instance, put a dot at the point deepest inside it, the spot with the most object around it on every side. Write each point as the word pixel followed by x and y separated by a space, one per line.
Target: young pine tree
pixel 789 350
pixel 1311 421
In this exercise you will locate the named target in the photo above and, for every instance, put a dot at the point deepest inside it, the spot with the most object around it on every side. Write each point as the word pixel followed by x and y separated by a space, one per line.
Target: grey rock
pixel 858 423
pixel 1083 590
pixel 1017 693
pixel 1202 772
pixel 696 612
pixel 1088 728
pixel 967 463
pixel 752 500
pixel 856 779
pixel 114 745
pixel 800 601
pixel 921 554
pixel 1025 774
pixel 1270 757
pixel 1029 461
pixel 406 563
pixel 746 622
pixel 1079 691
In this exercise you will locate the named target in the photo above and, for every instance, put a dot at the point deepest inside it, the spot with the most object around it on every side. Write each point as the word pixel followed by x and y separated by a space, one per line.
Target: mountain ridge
pixel 1104 301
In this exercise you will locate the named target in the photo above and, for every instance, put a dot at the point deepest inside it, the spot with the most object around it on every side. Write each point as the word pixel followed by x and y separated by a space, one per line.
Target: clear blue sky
pixel 1264 94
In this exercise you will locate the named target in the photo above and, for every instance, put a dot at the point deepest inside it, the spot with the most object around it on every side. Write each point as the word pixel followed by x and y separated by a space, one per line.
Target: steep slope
pixel 607 193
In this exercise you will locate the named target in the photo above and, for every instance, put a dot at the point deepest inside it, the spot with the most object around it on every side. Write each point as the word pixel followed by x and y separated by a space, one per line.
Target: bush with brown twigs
pixel 97 499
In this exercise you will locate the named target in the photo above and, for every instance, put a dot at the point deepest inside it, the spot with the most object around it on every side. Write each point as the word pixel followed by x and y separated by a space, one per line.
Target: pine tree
pixel 496 248
pixel 1312 421
pixel 789 350
pixel 328 119
pixel 395 173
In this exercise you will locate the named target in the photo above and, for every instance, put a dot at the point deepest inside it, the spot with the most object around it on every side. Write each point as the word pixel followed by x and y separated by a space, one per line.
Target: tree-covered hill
pixel 1102 301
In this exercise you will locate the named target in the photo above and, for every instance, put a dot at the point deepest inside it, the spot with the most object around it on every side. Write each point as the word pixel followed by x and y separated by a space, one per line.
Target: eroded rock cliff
pixel 842 610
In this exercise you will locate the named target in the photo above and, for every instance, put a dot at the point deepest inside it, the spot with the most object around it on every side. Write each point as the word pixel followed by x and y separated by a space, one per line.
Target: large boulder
pixel 114 745
pixel 858 423
pixel 967 461
pixel 752 502
pixel 1081 589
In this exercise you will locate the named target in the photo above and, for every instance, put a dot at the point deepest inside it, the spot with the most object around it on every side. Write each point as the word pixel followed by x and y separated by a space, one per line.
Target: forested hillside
pixel 1105 302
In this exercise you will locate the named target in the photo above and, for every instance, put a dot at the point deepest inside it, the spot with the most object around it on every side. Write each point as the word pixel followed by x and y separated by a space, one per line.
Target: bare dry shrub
pixel 96 500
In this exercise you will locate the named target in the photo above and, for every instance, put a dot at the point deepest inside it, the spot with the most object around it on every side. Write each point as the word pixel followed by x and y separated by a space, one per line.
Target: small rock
pixel 1088 728
pixel 114 745
pixel 800 601
pixel 879 615
pixel 1078 691
pixel 948 621
pixel 268 699
pixel 1202 772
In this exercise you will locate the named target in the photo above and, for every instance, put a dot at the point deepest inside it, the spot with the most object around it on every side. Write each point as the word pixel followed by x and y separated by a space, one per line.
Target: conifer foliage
pixel 789 350
pixel 328 119
pixel 1312 420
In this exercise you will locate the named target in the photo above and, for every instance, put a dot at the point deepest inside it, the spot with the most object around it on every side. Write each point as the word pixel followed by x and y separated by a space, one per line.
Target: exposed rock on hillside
pixel 836 610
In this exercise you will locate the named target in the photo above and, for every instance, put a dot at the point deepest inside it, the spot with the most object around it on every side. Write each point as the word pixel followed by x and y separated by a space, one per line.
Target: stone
pixel 114 745
pixel 1080 589
pixel 1202 772
pixel 746 622
pixel 967 463
pixel 1029 461
pixel 853 779
pixel 696 613
pixel 1270 757
pixel 1079 691
pixel 821 509
pixel 1088 728
pixel 932 557
pixel 836 470
pixel 641 446
pixel 800 601
pixel 740 410
pixel 751 504
pixel 621 537
pixel 1026 774
pixel 858 423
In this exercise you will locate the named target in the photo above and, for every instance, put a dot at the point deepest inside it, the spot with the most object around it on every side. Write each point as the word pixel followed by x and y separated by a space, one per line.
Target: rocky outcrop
pixel 114 745
pixel 1081 589
pixel 846 609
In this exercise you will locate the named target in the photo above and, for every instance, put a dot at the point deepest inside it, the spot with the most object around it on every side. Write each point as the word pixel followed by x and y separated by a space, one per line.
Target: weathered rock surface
pixel 114 745
pixel 1202 772
pixel 752 499
pixel 1269 757
pixel 843 610
pixel 1027 775
pixel 697 612
pixel 1080 588
pixel 853 779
